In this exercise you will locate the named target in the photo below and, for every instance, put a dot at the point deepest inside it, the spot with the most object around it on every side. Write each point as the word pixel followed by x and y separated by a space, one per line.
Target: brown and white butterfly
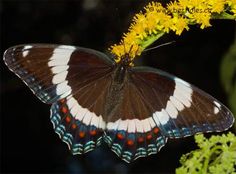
pixel 134 109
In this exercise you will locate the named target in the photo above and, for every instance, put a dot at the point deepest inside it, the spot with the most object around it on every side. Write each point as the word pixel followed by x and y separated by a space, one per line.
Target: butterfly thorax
pixel 119 74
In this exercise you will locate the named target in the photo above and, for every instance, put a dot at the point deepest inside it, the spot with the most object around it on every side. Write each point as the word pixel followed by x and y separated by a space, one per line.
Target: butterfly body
pixel 115 95
pixel 133 109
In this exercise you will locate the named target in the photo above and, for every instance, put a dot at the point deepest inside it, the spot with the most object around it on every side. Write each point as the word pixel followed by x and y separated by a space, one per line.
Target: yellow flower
pixel 175 8
pixel 233 10
pixel 130 37
pixel 231 2
pixel 163 22
pixel 232 5
pixel 180 24
pixel 202 18
pixel 184 3
pixel 197 3
pixel 154 20
pixel 139 26
pixel 216 5
pixel 152 17
pixel 154 6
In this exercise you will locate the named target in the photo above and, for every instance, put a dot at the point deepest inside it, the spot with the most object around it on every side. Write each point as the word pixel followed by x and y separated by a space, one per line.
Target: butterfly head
pixel 125 54
pixel 126 60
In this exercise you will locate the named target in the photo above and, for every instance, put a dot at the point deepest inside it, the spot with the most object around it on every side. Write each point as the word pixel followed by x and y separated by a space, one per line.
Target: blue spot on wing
pixel 129 147
pixel 73 132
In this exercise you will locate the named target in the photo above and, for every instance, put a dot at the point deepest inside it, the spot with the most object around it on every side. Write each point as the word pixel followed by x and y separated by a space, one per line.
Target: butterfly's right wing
pixel 157 106
pixel 179 108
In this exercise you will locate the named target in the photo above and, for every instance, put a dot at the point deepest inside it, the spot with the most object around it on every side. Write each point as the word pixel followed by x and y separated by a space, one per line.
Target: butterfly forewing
pixel 178 108
pixel 47 69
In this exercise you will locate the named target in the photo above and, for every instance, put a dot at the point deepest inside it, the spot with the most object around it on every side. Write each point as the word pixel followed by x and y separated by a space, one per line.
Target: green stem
pixel 223 15
pixel 206 162
pixel 232 147
pixel 149 40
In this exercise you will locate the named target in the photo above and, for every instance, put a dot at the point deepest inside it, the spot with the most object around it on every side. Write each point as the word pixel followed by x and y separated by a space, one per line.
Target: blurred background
pixel 205 58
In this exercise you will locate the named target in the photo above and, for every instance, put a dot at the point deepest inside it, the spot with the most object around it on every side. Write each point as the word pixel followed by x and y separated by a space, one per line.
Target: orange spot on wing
pixel 93 132
pixel 155 130
pixel 140 139
pixel 130 142
pixel 120 136
pixel 62 100
pixel 149 137
pixel 64 109
pixel 73 126
pixel 68 119
pixel 81 134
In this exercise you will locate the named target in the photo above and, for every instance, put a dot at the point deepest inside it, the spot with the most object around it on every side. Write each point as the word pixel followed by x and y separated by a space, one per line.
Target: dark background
pixel 28 141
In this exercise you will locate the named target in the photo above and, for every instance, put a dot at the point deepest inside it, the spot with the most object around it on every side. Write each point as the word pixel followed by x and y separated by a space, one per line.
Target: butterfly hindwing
pixel 80 136
pixel 79 118
pixel 131 131
pixel 131 144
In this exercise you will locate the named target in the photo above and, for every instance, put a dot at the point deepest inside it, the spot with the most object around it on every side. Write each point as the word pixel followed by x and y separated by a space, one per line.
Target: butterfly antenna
pixel 124 46
pixel 136 52
pixel 119 23
pixel 130 49
pixel 158 46
pixel 118 16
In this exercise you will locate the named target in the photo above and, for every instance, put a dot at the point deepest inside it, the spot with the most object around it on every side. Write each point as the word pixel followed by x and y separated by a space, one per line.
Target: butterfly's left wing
pixel 51 71
pixel 74 80
pixel 157 106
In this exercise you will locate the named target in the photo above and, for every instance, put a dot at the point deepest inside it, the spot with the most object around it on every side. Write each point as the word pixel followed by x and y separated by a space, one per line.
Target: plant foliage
pixel 216 155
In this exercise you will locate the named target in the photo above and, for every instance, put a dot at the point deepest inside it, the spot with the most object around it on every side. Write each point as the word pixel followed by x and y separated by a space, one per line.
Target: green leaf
pixel 216 155
pixel 228 74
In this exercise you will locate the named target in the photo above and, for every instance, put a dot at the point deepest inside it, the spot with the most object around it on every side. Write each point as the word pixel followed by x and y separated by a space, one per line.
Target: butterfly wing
pixel 73 80
pixel 47 68
pixel 188 110
pixel 158 106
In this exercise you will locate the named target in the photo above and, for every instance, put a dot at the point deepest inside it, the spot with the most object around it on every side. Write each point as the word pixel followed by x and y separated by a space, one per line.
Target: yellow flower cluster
pixel 155 20
pixel 232 6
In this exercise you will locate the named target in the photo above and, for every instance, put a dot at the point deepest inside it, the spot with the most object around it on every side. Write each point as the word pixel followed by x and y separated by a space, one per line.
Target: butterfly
pixel 94 98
